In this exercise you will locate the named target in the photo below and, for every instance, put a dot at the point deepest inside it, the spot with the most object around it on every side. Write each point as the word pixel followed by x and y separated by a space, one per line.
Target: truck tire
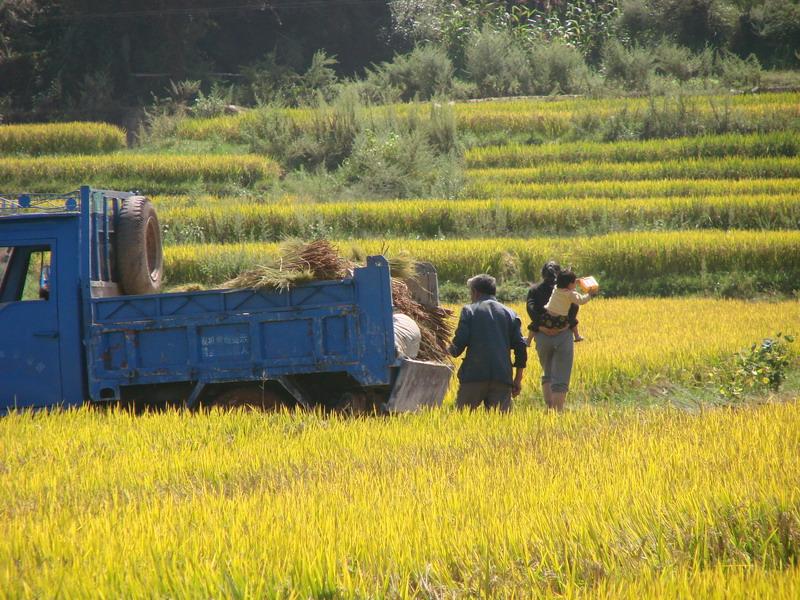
pixel 140 260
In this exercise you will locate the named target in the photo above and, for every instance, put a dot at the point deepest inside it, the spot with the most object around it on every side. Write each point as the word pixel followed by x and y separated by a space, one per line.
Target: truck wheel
pixel 140 261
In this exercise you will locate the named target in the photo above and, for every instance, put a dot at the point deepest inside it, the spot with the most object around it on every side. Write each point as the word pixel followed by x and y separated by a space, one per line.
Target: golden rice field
pixel 781 143
pixel 550 118
pixel 148 172
pixel 60 138
pixel 730 167
pixel 621 256
pixel 596 503
pixel 630 189
pixel 633 343
pixel 638 490
pixel 224 219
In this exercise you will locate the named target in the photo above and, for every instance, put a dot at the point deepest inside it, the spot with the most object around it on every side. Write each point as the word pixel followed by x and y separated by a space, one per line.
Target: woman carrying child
pixel 552 306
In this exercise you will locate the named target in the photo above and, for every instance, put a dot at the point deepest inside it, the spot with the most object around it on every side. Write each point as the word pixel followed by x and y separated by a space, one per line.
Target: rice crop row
pixel 599 502
pixel 716 168
pixel 625 261
pixel 61 138
pixel 636 342
pixel 147 172
pixel 491 188
pixel 551 118
pixel 235 220
pixel 717 146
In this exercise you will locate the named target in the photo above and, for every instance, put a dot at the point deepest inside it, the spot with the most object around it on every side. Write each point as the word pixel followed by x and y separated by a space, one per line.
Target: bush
pixel 497 64
pixel 778 23
pixel 695 23
pixel 681 63
pixel 558 68
pixel 422 74
pixel 393 164
pixel 762 367
pixel 635 22
pixel 443 129
pixel 326 141
pixel 740 73
pixel 269 131
pixel 267 81
pixel 319 81
pixel 212 105
pixel 632 67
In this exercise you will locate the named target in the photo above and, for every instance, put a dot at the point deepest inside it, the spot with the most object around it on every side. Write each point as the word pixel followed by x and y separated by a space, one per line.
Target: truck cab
pixel 73 328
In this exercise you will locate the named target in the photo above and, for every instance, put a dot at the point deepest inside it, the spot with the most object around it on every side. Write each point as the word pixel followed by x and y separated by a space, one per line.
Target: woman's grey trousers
pixel 555 355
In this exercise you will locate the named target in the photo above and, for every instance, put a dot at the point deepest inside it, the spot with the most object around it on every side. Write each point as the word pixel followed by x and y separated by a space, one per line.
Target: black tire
pixel 140 259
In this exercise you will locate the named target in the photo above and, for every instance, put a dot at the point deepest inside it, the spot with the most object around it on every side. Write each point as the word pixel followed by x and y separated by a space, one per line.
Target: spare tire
pixel 139 258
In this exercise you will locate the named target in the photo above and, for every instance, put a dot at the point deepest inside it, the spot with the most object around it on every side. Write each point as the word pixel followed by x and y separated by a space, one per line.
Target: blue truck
pixel 82 320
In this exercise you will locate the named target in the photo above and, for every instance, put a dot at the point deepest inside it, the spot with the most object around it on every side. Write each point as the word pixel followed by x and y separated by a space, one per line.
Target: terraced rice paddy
pixel 668 498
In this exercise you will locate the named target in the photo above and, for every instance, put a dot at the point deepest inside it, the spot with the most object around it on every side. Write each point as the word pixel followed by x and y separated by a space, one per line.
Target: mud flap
pixel 419 385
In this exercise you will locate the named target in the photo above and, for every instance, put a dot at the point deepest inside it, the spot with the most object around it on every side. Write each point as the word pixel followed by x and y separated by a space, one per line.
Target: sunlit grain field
pixel 641 489
pixel 593 503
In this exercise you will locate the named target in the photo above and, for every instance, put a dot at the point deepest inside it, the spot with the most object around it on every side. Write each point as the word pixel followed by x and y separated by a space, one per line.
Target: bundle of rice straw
pixel 434 323
pixel 296 262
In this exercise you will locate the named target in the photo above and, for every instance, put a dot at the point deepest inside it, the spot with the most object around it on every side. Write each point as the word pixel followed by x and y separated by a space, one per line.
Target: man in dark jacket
pixel 488 331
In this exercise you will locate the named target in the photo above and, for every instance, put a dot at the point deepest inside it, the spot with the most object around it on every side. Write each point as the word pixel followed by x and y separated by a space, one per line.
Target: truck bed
pixel 244 335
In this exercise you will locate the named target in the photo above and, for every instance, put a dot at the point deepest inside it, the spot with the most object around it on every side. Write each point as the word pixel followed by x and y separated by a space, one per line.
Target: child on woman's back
pixel 563 298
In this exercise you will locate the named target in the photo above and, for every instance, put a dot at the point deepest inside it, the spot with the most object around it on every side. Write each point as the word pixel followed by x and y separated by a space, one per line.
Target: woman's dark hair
pixel 565 278
pixel 550 270
pixel 483 284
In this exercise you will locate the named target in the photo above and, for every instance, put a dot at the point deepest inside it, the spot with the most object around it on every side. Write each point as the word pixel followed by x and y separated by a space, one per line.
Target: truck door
pixel 30 366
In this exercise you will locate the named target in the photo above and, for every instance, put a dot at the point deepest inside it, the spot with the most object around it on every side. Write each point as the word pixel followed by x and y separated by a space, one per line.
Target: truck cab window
pixel 24 273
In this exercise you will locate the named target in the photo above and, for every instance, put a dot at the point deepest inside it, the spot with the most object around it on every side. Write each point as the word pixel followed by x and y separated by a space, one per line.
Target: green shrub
pixel 762 367
pixel 497 64
pixel 777 22
pixel 681 63
pixel 269 131
pixel 213 104
pixel 319 81
pixel 268 81
pixel 632 67
pixel 442 129
pixel 635 22
pixel 736 72
pixel 558 68
pixel 423 73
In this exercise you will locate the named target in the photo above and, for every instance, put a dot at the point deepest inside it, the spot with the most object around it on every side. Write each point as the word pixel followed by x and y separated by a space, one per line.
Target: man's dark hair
pixel 565 278
pixel 483 284
pixel 550 270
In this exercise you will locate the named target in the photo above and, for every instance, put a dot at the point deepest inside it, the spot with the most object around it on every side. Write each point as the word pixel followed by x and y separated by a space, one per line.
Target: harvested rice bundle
pixel 297 262
pixel 434 323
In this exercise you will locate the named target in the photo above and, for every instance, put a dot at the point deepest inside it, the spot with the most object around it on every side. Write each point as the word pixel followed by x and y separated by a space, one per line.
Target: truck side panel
pixel 244 335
